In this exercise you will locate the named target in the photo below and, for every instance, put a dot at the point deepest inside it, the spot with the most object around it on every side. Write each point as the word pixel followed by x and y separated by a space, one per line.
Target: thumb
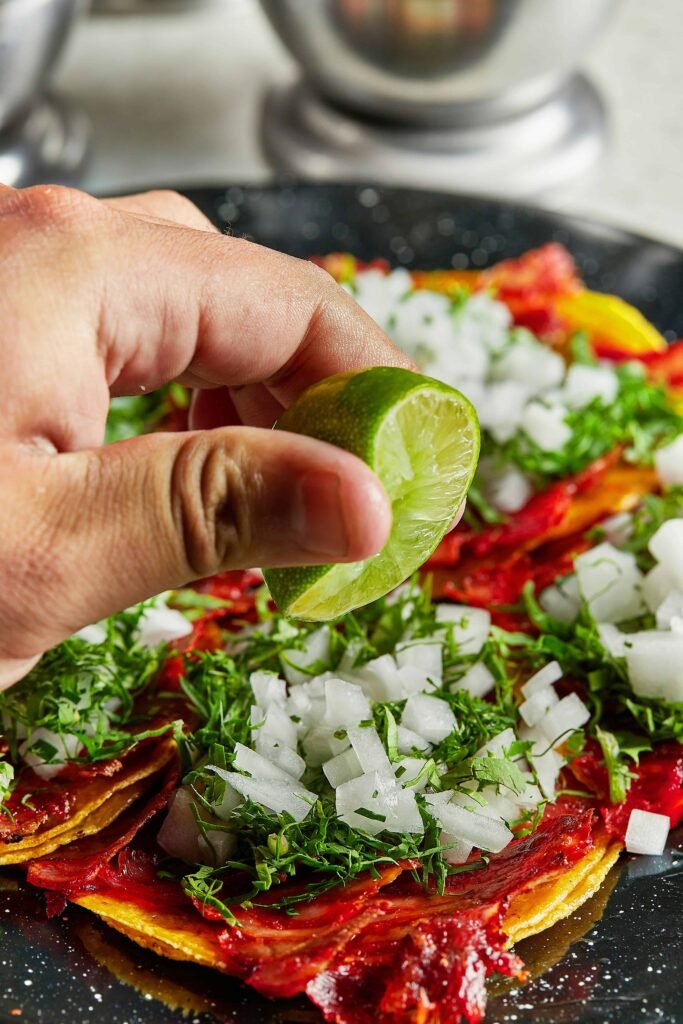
pixel 114 525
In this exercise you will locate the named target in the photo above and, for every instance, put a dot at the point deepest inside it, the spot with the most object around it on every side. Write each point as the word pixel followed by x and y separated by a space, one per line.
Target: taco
pixel 375 811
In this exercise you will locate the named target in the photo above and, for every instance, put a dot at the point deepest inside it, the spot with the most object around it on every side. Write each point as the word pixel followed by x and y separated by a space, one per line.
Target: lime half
pixel 421 438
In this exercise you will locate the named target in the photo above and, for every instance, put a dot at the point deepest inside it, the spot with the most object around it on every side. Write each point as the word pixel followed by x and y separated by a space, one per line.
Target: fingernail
pixel 458 516
pixel 319 515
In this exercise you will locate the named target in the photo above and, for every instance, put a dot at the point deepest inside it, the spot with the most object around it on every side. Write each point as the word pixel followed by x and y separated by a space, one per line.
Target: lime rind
pixel 421 437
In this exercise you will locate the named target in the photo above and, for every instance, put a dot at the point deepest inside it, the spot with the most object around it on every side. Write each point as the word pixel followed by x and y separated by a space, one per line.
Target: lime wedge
pixel 421 438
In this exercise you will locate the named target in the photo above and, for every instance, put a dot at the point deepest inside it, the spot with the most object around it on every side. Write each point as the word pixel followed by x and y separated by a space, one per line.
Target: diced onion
pixel 370 751
pixel 342 768
pixel 568 714
pixel 610 583
pixel 470 626
pixel 427 656
pixel 454 850
pixel 394 808
pixel 562 600
pixel 478 680
pixel 94 634
pixel 545 677
pixel 654 661
pixel 345 704
pixel 276 795
pixel 267 688
pixel 160 625
pixel 471 827
pixel 669 462
pixel 647 832
pixel 539 704
pixel 179 832
pixel 666 544
pixel 428 716
pixel 317 649
pixel 583 384
pixel 545 426
pixel 657 583
pixel 409 772
pixel 409 741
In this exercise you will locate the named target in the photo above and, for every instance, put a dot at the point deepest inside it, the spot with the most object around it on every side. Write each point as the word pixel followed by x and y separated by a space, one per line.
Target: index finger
pixel 169 302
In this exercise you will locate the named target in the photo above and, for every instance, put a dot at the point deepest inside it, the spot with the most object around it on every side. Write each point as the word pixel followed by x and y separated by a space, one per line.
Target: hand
pixel 118 297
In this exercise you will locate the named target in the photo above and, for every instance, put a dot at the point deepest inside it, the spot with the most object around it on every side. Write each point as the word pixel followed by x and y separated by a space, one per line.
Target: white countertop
pixel 176 99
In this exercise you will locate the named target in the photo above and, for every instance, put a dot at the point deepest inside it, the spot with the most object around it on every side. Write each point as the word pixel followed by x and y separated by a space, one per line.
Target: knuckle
pixel 48 205
pixel 212 495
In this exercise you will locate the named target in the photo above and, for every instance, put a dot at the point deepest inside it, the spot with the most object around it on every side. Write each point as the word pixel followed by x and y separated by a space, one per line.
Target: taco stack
pixel 373 812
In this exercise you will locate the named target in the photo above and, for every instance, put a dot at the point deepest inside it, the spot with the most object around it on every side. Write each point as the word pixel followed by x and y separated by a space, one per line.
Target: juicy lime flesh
pixel 425 454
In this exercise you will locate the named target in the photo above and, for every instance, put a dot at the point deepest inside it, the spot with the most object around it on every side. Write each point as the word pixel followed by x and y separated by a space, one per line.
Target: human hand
pixel 118 297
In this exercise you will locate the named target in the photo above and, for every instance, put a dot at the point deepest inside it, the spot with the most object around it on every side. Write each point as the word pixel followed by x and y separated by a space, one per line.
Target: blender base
pixel 50 144
pixel 524 155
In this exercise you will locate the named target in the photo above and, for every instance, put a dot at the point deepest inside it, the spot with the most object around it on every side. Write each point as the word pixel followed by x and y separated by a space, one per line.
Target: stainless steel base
pixel 520 156
pixel 49 145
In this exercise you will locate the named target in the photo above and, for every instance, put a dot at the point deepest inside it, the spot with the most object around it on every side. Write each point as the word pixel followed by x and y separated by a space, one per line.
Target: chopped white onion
pixel 470 626
pixel 612 639
pixel 160 625
pixel 216 846
pixel 65 745
pixel 568 714
pixel 618 528
pixel 370 751
pixel 276 725
pixel 610 582
pixel 656 585
pixel 538 705
pixel 422 654
pixel 410 679
pixel 647 832
pixel 472 827
pixel 267 688
pixel 654 661
pixel 562 600
pixel 508 490
pixel 395 808
pixel 545 426
pixel 546 676
pixel 666 544
pixel 379 678
pixel 94 634
pixel 342 768
pixel 428 716
pixel 316 649
pixel 247 760
pixel 179 832
pixel 583 384
pixel 409 741
pixel 454 850
pixel 408 772
pixel 498 744
pixel 669 462
pixel 276 795
pixel 320 745
pixel 502 409
pixel 282 756
pixel 478 680
pixel 671 608
pixel 345 704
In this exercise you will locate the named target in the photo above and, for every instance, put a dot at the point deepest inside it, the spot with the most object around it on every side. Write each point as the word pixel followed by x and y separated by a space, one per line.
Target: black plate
pixel 619 959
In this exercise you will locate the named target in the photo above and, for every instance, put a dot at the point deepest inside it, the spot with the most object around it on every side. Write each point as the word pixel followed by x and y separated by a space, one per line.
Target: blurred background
pixel 573 104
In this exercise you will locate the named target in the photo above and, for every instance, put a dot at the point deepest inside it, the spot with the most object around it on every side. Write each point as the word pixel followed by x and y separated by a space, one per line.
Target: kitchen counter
pixel 176 99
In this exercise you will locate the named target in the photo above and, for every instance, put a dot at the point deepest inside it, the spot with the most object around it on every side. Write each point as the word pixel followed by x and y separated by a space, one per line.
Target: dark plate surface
pixel 619 960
